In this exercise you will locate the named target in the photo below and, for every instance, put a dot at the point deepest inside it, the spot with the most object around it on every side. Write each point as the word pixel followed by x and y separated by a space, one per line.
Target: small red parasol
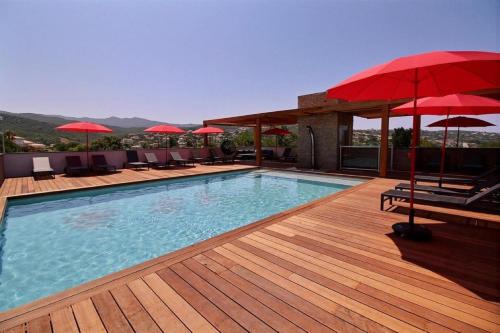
pixel 165 129
pixel 451 105
pixel 208 130
pixel 84 127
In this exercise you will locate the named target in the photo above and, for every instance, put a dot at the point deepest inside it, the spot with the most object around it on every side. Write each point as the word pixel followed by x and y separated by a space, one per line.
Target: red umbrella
pixel 278 132
pixel 84 127
pixel 208 130
pixel 427 74
pixel 460 122
pixel 449 105
pixel 165 129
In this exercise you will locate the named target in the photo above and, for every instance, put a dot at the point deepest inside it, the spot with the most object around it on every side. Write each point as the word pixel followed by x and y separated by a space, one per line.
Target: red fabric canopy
pixel 439 73
pixel 84 127
pixel 449 105
pixel 461 122
pixel 166 129
pixel 208 130
pixel 276 131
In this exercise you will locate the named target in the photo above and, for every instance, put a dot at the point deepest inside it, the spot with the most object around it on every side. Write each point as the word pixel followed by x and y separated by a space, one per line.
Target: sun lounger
pixel 456 180
pixel 177 158
pixel 133 160
pixel 435 189
pixel 218 156
pixel 99 163
pixel 287 156
pixel 74 166
pixel 153 161
pixel 437 199
pixel 41 166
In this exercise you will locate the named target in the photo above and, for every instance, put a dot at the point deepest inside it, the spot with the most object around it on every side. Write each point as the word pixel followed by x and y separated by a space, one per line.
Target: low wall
pixel 21 164
pixel 2 170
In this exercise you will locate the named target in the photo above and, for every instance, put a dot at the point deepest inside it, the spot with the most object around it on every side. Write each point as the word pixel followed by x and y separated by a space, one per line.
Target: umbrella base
pixel 412 231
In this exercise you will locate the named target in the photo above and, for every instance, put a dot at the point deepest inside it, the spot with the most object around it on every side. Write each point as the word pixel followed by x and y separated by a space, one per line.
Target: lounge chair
pixel 99 163
pixel 153 161
pixel 437 199
pixel 74 166
pixel 133 160
pixel 177 158
pixel 485 182
pixel 41 166
pixel 457 180
pixel 218 156
pixel 287 156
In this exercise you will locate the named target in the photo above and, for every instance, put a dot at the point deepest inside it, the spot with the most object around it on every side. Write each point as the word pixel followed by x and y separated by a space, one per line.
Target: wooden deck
pixel 331 266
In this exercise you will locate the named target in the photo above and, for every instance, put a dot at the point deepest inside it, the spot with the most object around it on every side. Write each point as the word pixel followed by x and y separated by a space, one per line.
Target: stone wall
pixel 316 99
pixel 328 136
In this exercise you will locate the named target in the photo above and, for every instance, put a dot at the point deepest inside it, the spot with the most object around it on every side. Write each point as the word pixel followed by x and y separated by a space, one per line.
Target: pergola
pixel 369 110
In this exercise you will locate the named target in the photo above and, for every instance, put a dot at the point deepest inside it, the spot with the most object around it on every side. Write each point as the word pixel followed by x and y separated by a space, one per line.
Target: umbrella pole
pixel 443 150
pixel 410 230
pixel 166 149
pixel 88 162
pixel 458 136
pixel 411 214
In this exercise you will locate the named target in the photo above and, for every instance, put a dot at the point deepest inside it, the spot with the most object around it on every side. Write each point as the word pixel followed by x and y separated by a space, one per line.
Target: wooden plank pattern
pixel 333 266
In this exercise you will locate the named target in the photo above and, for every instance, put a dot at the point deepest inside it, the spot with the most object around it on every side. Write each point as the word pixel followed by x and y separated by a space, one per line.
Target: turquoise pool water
pixel 54 242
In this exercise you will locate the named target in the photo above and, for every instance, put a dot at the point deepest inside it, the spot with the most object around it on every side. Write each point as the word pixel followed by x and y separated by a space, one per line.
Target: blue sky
pixel 185 61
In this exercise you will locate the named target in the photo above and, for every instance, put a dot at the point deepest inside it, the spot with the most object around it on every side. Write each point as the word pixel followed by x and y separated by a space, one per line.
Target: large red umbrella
pixel 208 130
pixel 277 132
pixel 165 129
pixel 428 74
pixel 84 127
pixel 451 105
pixel 460 122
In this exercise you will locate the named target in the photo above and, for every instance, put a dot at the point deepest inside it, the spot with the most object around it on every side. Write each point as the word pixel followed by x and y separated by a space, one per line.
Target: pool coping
pixel 31 310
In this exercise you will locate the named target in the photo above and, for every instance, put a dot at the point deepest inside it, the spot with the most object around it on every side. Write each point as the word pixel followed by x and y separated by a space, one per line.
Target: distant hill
pixel 41 128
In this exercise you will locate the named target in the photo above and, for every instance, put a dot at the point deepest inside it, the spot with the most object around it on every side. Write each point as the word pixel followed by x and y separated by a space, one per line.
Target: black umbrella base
pixel 412 231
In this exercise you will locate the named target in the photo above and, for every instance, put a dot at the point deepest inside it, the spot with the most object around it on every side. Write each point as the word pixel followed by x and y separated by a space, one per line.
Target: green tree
pixel 107 143
pixel 490 144
pixel 401 137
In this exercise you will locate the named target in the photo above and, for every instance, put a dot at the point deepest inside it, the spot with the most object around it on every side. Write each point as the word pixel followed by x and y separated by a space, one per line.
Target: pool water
pixel 53 242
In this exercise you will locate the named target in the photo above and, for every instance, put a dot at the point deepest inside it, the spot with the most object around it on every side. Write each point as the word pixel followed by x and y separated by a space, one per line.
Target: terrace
pixel 329 265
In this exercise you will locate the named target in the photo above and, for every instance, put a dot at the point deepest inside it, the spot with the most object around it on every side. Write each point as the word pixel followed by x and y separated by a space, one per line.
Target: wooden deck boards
pixel 332 267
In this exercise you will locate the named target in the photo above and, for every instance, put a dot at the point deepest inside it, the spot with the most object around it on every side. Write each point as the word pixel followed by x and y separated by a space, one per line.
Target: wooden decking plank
pixel 401 274
pixel 87 318
pixel 110 314
pixel 351 304
pixel 162 315
pixel 138 318
pixel 39 325
pixel 265 314
pixel 467 313
pixel 340 324
pixel 277 305
pixel 184 311
pixel 357 272
pixel 414 315
pixel 219 319
pixel 16 329
pixel 63 321
pixel 226 304
pixel 293 230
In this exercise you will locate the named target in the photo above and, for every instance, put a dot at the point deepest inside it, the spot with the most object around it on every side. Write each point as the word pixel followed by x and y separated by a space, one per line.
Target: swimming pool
pixel 53 242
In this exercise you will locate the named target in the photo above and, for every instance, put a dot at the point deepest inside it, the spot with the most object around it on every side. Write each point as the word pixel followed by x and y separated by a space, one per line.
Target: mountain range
pixel 41 128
